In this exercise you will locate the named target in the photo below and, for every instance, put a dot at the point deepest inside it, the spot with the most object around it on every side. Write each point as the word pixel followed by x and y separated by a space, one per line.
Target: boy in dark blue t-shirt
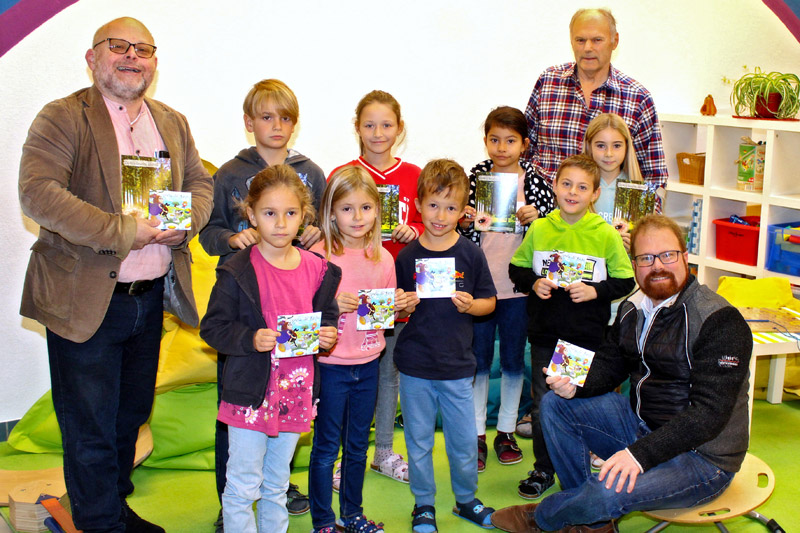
pixel 434 351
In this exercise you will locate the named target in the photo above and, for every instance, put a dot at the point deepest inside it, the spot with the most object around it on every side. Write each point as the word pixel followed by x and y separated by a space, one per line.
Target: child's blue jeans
pixel 421 399
pixel 258 470
pixel 344 415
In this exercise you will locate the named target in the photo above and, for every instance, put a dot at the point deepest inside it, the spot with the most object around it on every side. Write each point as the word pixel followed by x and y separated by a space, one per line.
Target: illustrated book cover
pixel 375 309
pixel 496 202
pixel 298 335
pixel 173 209
pixel 634 200
pixel 140 176
pixel 564 268
pixel 390 209
pixel 435 277
pixel 572 361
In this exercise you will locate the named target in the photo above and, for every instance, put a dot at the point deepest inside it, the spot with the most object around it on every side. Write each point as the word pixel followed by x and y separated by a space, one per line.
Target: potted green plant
pixel 772 95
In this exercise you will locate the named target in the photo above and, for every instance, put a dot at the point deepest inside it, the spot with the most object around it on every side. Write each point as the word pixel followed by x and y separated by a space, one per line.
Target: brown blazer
pixel 70 184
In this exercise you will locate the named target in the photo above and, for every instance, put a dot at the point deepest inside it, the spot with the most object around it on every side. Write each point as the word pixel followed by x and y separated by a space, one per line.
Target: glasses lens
pixel 645 260
pixel 118 46
pixel 144 50
pixel 669 257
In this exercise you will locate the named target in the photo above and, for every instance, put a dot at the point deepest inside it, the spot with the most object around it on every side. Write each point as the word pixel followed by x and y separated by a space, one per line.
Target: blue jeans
pixel 258 471
pixel 344 414
pixel 103 392
pixel 509 319
pixel 388 387
pixel 606 424
pixel 421 399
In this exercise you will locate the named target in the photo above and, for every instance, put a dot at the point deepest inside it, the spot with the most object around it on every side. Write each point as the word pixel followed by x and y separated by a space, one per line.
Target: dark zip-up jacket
pixel 234 315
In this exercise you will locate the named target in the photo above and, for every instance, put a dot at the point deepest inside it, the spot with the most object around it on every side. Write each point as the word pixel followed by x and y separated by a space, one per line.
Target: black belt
pixel 135 288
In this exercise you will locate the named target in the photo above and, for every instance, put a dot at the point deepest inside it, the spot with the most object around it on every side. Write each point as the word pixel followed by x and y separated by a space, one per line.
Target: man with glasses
pixel 98 279
pixel 683 433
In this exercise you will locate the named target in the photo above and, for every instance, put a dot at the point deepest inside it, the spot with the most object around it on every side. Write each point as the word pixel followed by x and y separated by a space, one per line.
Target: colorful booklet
pixel 496 202
pixel 634 200
pixel 173 209
pixel 140 176
pixel 564 268
pixel 390 209
pixel 572 361
pixel 435 277
pixel 298 335
pixel 375 309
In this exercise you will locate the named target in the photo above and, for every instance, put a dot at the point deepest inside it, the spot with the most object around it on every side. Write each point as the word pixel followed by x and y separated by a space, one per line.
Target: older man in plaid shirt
pixel 567 97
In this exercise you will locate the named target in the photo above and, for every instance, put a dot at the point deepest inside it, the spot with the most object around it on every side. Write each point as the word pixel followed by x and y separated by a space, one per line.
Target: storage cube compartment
pixel 691 167
pixel 736 242
pixel 783 255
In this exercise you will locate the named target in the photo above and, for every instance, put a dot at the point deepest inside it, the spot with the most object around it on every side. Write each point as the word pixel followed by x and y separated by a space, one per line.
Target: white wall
pixel 447 62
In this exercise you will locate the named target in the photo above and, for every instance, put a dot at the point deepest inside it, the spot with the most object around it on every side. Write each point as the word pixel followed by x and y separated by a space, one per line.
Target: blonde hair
pixel 380 97
pixel 344 181
pixel 274 91
pixel 443 175
pixel 613 121
pixel 276 176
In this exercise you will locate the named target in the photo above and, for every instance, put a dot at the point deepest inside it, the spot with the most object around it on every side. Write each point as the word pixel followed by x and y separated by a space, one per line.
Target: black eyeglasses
pixel 666 258
pixel 120 46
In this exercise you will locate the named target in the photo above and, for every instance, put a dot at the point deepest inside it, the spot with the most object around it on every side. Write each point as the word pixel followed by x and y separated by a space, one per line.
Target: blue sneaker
pixel 358 524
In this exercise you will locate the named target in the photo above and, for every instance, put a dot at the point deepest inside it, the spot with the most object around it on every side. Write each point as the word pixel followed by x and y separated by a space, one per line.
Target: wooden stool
pixel 742 496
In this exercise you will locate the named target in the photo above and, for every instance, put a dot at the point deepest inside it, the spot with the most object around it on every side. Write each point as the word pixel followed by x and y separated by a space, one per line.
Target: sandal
pixel 475 512
pixel 596 462
pixel 524 427
pixel 424 519
pixel 296 502
pixel 483 451
pixel 394 467
pixel 505 446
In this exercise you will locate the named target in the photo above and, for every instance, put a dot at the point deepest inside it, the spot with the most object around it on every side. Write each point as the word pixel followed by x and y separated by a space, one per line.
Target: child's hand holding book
pixel 264 340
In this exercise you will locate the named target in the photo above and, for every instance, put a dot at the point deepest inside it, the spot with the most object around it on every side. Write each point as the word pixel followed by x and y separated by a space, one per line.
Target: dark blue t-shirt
pixel 437 342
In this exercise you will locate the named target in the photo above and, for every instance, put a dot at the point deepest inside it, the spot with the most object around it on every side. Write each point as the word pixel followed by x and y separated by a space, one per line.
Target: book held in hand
pixel 496 202
pixel 375 309
pixel 140 176
pixel 572 361
pixel 565 268
pixel 173 209
pixel 633 200
pixel 298 335
pixel 435 277
pixel 390 209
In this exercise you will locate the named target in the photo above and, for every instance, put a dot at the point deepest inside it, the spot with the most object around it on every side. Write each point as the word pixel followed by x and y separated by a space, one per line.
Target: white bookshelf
pixel 719 137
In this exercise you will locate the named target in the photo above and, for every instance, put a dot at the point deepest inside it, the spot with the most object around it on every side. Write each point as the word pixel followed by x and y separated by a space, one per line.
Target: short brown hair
pixel 274 91
pixel 583 162
pixel 441 175
pixel 657 222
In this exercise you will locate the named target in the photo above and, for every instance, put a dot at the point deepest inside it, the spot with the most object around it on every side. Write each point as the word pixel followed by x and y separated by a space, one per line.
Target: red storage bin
pixel 737 242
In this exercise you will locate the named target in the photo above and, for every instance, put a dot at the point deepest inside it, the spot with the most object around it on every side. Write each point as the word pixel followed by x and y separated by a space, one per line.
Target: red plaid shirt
pixel 557 119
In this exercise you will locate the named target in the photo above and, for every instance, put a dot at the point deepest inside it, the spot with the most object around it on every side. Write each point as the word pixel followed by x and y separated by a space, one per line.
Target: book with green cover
pixel 140 175
pixel 390 209
pixel 633 200
pixel 496 202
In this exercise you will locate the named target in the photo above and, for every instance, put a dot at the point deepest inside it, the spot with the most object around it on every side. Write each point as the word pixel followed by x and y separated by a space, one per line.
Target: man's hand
pixel 404 234
pixel 580 292
pixel 542 287
pixel 264 339
pixel 145 232
pixel 622 467
pixel 327 337
pixel 462 301
pixel 527 214
pixel 171 237
pixel 243 239
pixel 311 235
pixel 348 302
pixel 560 385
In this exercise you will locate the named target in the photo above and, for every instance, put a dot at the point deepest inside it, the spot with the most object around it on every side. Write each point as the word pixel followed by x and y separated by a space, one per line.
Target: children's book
pixel 572 361
pixel 435 277
pixel 496 202
pixel 375 309
pixel 298 335
pixel 390 209
pixel 173 209
pixel 140 176
pixel 565 268
pixel 633 200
